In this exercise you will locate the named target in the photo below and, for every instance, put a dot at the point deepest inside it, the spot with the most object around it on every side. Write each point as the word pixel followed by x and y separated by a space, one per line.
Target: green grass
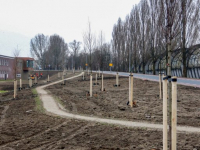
pixel 8 80
pixel 38 103
pixel 2 91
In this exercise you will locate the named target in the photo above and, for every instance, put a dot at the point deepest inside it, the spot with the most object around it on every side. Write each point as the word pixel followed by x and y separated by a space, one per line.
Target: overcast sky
pixel 67 18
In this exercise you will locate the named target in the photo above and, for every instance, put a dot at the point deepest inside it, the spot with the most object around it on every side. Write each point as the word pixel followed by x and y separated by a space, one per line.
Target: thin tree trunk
pixel 169 89
pixel 183 4
pixel 154 68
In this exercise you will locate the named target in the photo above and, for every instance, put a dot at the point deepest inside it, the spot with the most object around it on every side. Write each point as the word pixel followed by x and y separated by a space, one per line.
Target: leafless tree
pixel 144 18
pixel 75 46
pixel 117 35
pixel 189 27
pixel 100 41
pixel 38 47
pixel 17 66
pixel 89 42
pixel 134 24
pixel 58 50
pixel 172 30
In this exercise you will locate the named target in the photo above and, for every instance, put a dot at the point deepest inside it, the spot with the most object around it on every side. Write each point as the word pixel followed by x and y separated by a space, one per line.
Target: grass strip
pixel 38 103
pixel 2 91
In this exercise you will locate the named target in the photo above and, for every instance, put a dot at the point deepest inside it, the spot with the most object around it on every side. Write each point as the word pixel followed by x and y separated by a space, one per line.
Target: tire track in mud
pixel 34 136
pixel 3 116
pixel 76 131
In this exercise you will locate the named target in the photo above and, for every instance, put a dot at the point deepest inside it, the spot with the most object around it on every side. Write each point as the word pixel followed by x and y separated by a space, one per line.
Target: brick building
pixel 15 66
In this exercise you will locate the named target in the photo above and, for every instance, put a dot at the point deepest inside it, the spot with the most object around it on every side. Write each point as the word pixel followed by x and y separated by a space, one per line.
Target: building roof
pixel 23 58
pixel 3 56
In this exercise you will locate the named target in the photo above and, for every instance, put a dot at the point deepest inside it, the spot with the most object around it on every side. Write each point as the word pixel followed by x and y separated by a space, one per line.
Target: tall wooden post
pixel 15 90
pixel 35 79
pixel 83 76
pixel 30 82
pixel 48 79
pixel 174 113
pixel 91 85
pixel 20 84
pixel 164 113
pixel 16 87
pixel 160 85
pixel 58 74
pixel 117 79
pixel 102 82
pixel 96 79
pixel 131 90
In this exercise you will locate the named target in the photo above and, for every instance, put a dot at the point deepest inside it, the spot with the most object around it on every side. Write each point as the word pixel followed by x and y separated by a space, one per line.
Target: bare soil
pixel 112 103
pixel 22 127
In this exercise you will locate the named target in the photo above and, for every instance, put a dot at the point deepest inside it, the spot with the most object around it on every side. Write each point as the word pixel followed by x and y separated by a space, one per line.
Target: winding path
pixel 53 107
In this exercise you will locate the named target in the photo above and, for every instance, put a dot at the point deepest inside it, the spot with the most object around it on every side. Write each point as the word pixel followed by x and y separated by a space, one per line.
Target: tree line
pixel 52 53
pixel 153 28
pixel 49 52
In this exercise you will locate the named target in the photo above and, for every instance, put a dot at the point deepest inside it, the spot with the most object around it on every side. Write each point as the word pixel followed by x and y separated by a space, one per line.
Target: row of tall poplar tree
pixel 152 28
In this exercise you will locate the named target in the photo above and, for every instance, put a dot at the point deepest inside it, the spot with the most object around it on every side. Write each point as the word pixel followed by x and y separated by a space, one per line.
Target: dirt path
pixel 51 106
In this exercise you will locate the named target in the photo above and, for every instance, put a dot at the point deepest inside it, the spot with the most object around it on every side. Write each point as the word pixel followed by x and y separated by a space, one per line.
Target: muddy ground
pixel 23 127
pixel 112 103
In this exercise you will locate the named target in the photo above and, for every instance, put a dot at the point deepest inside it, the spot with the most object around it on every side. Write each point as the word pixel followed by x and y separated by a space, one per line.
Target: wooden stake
pixel 14 89
pixel 83 75
pixel 20 84
pixel 102 82
pixel 96 79
pixel 48 79
pixel 58 74
pixel 35 79
pixel 130 88
pixel 63 80
pixel 164 113
pixel 91 85
pixel 117 79
pixel 131 95
pixel 30 82
pixel 174 112
pixel 160 85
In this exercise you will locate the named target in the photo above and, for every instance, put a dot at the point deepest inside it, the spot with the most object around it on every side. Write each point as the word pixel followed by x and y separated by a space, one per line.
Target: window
pixel 29 63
